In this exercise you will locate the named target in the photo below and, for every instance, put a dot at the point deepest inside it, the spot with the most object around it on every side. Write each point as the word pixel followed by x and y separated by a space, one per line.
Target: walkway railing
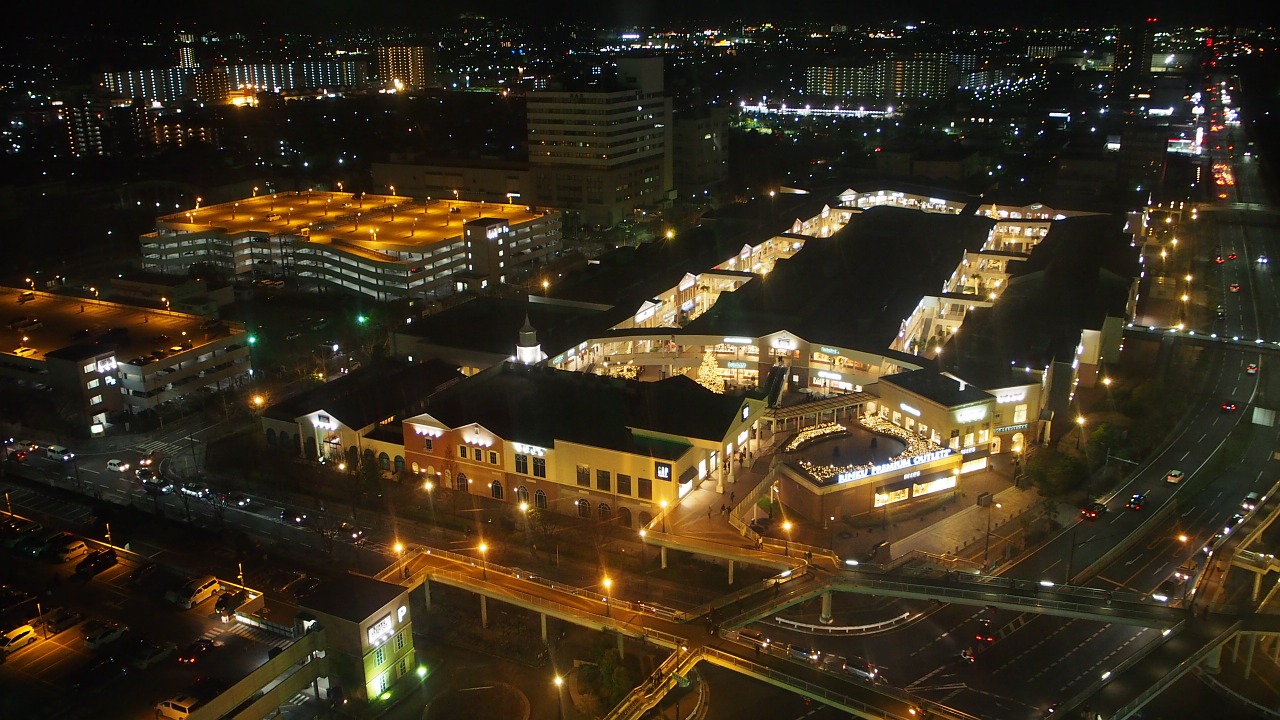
pixel 844 629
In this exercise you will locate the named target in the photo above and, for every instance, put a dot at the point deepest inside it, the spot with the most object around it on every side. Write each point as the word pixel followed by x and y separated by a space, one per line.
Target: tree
pixel 709 373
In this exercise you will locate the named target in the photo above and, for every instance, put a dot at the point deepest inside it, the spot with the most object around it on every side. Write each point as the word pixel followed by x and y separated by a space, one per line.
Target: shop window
pixel 1019 413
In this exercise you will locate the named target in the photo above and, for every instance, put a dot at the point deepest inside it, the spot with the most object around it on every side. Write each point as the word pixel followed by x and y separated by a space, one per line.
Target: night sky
pixel 44 17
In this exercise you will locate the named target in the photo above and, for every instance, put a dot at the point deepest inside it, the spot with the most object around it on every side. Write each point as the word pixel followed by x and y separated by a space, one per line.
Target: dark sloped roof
pixel 537 405
pixel 351 597
pixel 937 387
pixel 1080 274
pixel 492 325
pixel 854 288
pixel 370 394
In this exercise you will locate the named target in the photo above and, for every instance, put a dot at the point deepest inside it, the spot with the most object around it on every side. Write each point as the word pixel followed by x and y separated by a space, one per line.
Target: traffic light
pixel 361 319
pixel 253 339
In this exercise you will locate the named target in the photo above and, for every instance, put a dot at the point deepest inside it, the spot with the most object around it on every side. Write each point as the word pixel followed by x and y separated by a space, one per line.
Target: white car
pixel 1173 477
pixel 98 633
pixel 119 466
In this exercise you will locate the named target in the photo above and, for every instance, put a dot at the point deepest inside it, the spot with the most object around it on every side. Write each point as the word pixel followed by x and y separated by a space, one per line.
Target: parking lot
pixel 162 651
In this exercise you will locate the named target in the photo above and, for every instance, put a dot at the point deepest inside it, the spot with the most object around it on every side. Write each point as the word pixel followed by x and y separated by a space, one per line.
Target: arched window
pixel 415 467
pixel 645 518
pixel 399 463
pixel 384 461
pixel 522 494
pixel 540 500
pixel 606 514
pixel 462 482
pixel 496 490
pixel 624 517
pixel 271 437
pixel 584 509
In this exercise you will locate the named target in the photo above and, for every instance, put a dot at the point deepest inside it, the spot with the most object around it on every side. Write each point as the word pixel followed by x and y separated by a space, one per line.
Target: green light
pixel 422 671
pixel 385 696
pixel 253 339
pixel 362 319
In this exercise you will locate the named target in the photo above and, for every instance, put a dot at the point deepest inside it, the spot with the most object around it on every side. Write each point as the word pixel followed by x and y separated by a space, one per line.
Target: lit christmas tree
pixel 709 373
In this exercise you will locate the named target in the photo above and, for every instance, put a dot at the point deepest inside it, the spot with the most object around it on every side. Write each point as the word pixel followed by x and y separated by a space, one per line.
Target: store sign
pixel 662 470
pixel 1011 396
pixel 381 631
pixel 829 375
pixel 892 466
pixel 909 410
pixel 829 350
pixel 971 415
pixel 746 411
pixel 1011 428
pixel 737 341
pixel 784 343
pixel 970 449
pixel 529 449
pixel 737 365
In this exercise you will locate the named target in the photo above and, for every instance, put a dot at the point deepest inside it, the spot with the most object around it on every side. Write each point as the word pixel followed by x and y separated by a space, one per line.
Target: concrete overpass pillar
pixel 664 557
pixel 619 646
pixel 730 572
pixel 1235 649
pixel 484 611
pixel 543 617
pixel 1248 658
pixel 1257 585
pixel 826 618
pixel 1213 661
pixel 426 591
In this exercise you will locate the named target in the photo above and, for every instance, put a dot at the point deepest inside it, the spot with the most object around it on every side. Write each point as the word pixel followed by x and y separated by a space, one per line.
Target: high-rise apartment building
pixel 1134 48
pixel 406 63
pixel 164 85
pixel 912 77
pixel 603 150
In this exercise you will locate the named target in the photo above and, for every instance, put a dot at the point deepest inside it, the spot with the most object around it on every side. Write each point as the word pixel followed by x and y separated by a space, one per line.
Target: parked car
pixel 98 674
pixel 152 654
pixel 96 561
pixel 59 619
pixel 17 638
pixel 98 633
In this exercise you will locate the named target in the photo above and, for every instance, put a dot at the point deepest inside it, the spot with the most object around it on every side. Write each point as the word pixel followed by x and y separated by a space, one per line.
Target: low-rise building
pixel 603 449
pixel 107 361
pixel 368 634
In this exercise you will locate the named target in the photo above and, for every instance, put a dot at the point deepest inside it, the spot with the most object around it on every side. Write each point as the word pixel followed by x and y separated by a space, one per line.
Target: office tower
pixel 603 150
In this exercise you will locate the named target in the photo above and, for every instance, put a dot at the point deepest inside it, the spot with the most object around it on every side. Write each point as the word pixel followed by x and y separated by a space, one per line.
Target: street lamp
pixel 986 549
pixel 1080 425
pixel 786 527
pixel 559 682
pixel 484 570
pixel 399 548
pixel 607 583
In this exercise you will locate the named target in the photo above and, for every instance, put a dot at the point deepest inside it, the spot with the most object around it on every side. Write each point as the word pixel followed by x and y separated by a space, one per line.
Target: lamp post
pixel 1080 426
pixel 607 583
pixel 663 504
pixel 559 682
pixel 399 548
pixel 986 548
pixel 484 570
pixel 108 534
pixel 429 486
pixel 786 528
